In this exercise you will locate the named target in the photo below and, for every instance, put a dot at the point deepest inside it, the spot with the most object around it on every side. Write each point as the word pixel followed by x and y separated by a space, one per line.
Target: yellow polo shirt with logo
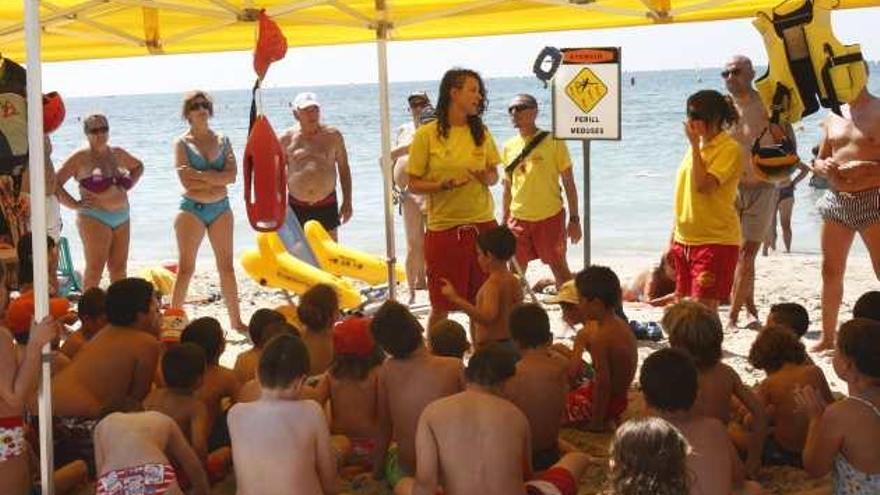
pixel 439 159
pixel 711 218
pixel 535 193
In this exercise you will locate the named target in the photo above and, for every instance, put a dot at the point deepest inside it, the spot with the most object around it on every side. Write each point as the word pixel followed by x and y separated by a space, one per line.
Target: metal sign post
pixel 586 107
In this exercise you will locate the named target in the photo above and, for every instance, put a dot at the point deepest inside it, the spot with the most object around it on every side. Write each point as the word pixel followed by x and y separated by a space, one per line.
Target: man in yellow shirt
pixel 532 206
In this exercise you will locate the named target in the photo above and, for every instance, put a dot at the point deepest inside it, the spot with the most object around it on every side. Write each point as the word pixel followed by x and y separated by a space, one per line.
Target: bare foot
pixel 824 344
pixel 240 327
pixel 731 326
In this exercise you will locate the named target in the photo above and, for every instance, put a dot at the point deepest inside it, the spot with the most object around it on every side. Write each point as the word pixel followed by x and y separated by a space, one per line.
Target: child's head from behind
pixel 491 366
pixel 258 323
pixel 599 290
pixel 183 366
pixel 396 330
pixel 206 333
pixel 790 315
pixel 858 351
pixel 774 347
pixel 496 244
pixel 649 456
pixel 25 252
pixel 355 351
pixel 318 308
pixel 92 308
pixel 284 364
pixel 868 306
pixel 131 302
pixel 668 379
pixel 530 326
pixel 448 338
pixel 696 329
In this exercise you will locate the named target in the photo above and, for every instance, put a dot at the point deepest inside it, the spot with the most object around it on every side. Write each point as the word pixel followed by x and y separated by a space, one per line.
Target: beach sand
pixel 780 278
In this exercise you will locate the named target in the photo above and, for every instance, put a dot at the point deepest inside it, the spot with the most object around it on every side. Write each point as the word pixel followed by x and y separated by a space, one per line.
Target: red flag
pixel 271 45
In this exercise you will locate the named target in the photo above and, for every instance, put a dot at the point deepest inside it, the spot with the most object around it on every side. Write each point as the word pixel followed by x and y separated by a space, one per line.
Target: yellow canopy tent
pixel 35 31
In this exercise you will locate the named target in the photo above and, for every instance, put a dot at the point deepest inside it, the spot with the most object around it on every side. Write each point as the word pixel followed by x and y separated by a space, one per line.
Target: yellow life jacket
pixel 806 62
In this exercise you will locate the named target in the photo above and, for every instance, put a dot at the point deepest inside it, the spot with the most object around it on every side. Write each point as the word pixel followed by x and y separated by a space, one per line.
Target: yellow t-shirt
pixel 709 218
pixel 534 188
pixel 435 159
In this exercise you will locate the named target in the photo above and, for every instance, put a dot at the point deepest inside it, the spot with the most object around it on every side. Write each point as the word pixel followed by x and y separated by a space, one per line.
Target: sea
pixel 632 179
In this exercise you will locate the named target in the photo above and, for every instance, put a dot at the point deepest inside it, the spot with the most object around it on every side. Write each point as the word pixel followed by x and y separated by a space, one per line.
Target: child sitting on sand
pixel 219 385
pixel 246 363
pixel 135 451
pixel 669 383
pixel 782 356
pixel 612 349
pixel 648 456
pixel 280 444
pixel 92 314
pixel 655 286
pixel 352 386
pixel 500 462
pixel 696 329
pixel 318 310
pixel 448 338
pixel 792 316
pixel 868 306
pixel 540 386
pixel 410 380
pixel 843 437
pixel 250 390
pixel 498 294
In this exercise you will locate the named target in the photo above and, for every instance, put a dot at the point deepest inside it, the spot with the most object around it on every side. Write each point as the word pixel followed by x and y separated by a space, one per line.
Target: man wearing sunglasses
pixel 535 163
pixel 756 199
pixel 316 154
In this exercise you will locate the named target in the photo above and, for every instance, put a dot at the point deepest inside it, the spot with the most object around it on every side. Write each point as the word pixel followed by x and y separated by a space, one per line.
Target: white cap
pixel 305 100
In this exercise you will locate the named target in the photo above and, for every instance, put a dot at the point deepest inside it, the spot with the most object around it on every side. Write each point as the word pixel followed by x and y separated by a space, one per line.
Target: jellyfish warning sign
pixel 586 94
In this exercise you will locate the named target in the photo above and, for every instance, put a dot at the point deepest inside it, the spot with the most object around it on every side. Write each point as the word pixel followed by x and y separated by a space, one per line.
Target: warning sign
pixel 586 94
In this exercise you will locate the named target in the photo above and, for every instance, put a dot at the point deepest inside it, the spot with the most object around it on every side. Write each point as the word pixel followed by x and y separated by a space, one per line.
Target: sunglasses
pixel 199 104
pixel 98 130
pixel 729 72
pixel 518 108
pixel 414 104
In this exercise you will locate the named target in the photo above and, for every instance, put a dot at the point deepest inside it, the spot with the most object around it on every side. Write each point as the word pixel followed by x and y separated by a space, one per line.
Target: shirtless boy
pixel 136 450
pixel 669 382
pixel 113 373
pixel 315 155
pixel 612 348
pixel 281 445
pixel 92 313
pixel 246 363
pixel 499 293
pixel 540 385
pixel 410 380
pixel 448 454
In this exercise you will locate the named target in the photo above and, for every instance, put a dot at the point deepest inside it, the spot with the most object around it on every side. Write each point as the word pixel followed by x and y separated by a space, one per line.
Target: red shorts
pixel 704 272
pixel 452 254
pixel 554 481
pixel 579 405
pixel 543 240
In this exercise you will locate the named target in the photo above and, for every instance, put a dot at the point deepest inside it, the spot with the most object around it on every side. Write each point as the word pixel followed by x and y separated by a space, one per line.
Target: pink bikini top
pixel 97 183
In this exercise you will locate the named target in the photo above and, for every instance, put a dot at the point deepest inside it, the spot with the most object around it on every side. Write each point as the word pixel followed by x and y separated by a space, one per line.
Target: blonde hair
pixel 696 329
pixel 191 96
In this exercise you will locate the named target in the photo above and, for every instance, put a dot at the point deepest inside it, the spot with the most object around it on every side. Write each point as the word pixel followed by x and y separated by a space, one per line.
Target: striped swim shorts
pixel 856 211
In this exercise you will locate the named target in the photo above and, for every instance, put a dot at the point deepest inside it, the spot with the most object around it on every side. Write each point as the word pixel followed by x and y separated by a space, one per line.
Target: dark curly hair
pixel 774 347
pixel 650 458
pixel 713 108
pixel 455 78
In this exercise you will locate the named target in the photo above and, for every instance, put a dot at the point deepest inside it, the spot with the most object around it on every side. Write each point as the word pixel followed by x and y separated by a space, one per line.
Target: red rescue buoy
pixel 265 177
pixel 53 112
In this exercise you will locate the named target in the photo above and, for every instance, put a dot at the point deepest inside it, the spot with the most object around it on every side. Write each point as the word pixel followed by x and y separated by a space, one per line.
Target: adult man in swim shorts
pixel 532 203
pixel 756 199
pixel 849 157
pixel 315 155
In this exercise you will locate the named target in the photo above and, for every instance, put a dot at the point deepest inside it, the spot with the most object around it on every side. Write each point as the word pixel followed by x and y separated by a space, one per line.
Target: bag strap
pixel 525 152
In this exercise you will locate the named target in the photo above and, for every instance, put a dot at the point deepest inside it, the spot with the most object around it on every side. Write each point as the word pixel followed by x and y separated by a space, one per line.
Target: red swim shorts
pixel 554 481
pixel 452 254
pixel 705 271
pixel 544 240
pixel 579 405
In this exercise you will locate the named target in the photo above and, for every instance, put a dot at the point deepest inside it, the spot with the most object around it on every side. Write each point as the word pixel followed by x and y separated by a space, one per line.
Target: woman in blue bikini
pixel 205 165
pixel 105 174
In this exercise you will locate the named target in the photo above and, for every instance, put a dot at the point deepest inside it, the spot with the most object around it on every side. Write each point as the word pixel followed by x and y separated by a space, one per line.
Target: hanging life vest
pixel 806 62
pixel 13 118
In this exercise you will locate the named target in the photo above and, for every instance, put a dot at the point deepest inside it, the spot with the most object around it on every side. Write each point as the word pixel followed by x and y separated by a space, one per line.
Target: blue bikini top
pixel 199 162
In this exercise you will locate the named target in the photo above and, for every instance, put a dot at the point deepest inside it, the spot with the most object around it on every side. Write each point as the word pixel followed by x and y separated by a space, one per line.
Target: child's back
pixel 319 310
pixel 320 346
pixel 717 385
pixel 504 287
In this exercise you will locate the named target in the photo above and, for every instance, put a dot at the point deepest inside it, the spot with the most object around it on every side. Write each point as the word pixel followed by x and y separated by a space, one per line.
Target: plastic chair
pixel 70 280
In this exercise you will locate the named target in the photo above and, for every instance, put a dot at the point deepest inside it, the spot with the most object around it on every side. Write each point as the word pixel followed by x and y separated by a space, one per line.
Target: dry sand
pixel 780 278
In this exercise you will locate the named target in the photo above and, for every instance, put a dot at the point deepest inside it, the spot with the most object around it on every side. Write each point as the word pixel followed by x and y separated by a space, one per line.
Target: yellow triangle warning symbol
pixel 586 90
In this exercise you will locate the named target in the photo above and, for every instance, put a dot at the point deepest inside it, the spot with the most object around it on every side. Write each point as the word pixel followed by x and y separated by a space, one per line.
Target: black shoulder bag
pixel 509 169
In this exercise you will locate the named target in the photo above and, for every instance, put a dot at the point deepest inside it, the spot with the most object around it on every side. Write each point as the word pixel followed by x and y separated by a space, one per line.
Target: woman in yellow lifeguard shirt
pixel 452 161
pixel 707 235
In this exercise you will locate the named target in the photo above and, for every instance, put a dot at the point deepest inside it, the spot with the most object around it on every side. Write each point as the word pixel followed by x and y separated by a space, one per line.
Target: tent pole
pixel 588 237
pixel 37 173
pixel 382 55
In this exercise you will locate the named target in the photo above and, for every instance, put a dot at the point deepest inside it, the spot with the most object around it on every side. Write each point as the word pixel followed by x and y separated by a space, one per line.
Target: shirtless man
pixel 756 201
pixel 114 372
pixel 849 157
pixel 281 444
pixel 500 462
pixel 410 380
pixel 315 153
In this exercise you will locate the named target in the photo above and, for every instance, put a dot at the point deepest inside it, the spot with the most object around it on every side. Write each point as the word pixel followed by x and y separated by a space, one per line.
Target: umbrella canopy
pixel 91 29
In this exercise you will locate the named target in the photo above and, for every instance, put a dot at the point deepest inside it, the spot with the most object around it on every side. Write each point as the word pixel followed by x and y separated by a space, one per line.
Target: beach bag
pixel 776 162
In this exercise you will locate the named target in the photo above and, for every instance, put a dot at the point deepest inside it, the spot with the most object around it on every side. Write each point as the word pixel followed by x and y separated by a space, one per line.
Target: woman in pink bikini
pixel 105 174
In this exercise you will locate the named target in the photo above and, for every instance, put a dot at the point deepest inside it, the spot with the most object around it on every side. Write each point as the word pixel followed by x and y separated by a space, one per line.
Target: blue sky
pixel 679 46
